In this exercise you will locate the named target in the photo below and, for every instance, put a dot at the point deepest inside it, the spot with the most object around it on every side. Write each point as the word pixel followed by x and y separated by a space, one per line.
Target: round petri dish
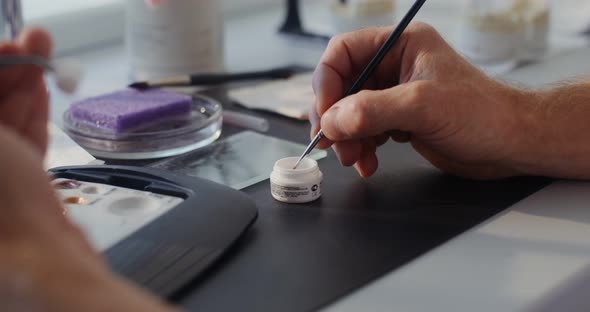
pixel 169 138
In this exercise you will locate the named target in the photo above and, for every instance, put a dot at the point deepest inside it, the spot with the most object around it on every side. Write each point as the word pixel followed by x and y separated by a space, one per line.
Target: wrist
pixel 525 144
pixel 552 134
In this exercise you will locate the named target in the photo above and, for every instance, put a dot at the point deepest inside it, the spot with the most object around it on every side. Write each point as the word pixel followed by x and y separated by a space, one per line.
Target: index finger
pixel 348 54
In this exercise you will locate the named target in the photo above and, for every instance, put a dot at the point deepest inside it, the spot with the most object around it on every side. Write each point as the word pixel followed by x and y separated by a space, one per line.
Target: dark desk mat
pixel 302 257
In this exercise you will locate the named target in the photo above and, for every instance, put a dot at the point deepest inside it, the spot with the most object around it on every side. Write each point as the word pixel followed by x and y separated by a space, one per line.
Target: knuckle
pixel 422 28
pixel 424 32
pixel 337 40
pixel 419 92
pixel 420 97
pixel 360 115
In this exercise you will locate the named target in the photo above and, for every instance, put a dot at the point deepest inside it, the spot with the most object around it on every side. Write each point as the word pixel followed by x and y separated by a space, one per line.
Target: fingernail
pixel 358 169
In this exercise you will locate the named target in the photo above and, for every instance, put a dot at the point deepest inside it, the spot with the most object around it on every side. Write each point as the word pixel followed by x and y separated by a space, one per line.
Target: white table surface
pixel 506 264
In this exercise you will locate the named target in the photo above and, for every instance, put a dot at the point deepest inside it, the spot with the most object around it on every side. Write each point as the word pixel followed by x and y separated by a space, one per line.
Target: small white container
pixel 301 185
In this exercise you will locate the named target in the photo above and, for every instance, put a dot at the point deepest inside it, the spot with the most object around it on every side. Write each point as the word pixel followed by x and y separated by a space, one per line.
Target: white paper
pixel 290 97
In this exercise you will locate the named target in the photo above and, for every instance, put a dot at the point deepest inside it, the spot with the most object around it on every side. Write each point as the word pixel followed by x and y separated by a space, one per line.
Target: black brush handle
pixel 387 45
pixel 213 79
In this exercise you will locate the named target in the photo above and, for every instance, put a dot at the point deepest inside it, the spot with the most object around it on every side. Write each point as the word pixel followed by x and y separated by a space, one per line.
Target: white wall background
pixel 76 24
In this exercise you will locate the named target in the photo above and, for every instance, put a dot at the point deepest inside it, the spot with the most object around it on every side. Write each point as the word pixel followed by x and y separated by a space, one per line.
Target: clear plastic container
pixel 497 35
pixel 536 14
pixel 170 138
pixel 493 34
pixel 356 14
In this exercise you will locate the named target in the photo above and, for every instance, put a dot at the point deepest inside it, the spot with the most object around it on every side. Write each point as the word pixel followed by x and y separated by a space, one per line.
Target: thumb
pixel 35 41
pixel 373 112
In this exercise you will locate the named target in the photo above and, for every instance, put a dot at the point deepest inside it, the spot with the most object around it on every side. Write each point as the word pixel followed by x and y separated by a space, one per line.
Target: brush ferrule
pixel 310 148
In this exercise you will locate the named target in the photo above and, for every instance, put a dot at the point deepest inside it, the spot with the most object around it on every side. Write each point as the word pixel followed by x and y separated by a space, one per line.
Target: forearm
pixel 555 132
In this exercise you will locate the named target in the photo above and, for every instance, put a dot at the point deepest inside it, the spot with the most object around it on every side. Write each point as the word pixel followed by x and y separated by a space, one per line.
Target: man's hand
pixel 424 93
pixel 23 95
pixel 46 264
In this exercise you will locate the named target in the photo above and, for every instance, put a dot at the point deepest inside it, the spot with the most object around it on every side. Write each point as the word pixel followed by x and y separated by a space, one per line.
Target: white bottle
pixel 493 34
pixel 170 37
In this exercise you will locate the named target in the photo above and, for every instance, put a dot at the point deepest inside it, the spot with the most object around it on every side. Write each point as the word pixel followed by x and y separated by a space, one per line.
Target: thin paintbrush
pixel 358 84
pixel 67 73
pixel 214 79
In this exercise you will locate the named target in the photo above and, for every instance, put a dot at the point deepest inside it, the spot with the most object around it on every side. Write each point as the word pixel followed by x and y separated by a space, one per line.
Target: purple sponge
pixel 131 109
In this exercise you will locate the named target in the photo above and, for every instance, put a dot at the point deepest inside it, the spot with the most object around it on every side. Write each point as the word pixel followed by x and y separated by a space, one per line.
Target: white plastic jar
pixel 172 37
pixel 301 185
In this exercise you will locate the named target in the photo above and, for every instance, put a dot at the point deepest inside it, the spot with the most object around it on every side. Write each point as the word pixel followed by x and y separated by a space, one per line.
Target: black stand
pixel 293 25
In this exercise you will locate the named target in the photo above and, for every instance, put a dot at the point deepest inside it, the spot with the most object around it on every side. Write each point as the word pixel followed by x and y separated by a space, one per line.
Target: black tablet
pixel 156 228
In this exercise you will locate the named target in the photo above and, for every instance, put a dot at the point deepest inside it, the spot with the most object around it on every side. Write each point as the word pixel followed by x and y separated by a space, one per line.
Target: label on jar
pixel 295 194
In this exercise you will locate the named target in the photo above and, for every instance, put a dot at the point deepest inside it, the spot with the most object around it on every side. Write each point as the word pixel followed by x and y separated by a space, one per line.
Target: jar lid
pixel 286 165
pixel 301 185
